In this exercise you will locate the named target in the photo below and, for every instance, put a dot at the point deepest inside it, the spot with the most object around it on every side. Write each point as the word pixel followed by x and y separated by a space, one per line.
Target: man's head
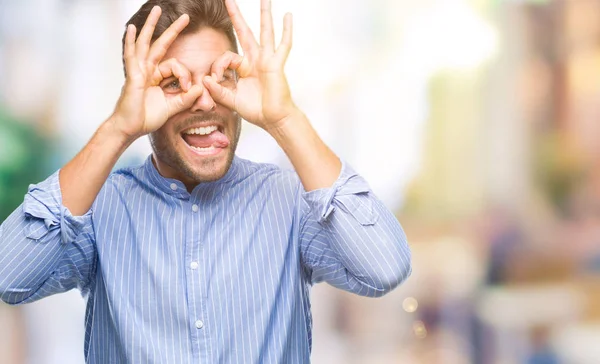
pixel 197 144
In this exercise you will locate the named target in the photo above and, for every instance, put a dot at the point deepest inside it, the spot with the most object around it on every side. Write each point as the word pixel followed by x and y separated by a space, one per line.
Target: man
pixel 199 256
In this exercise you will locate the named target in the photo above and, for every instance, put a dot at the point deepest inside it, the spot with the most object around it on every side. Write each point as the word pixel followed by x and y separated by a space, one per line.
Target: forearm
pixel 25 263
pixel 43 248
pixel 351 240
pixel 376 255
pixel 366 260
pixel 316 165
pixel 82 178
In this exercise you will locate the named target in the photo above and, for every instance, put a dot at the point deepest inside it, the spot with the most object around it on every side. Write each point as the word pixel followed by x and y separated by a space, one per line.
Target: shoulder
pixel 267 173
pixel 121 182
pixel 127 177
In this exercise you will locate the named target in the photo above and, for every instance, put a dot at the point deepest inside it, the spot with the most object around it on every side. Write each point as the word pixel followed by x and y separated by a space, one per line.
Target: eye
pixel 172 85
pixel 229 77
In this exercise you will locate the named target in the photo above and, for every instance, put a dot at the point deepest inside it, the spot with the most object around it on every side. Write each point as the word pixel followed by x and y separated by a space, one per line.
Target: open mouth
pixel 206 139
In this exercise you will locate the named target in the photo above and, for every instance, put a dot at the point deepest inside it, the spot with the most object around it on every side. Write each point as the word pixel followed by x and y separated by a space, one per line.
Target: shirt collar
pixel 177 189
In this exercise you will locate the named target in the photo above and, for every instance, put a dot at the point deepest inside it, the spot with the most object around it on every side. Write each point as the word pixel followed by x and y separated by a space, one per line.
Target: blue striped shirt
pixel 219 275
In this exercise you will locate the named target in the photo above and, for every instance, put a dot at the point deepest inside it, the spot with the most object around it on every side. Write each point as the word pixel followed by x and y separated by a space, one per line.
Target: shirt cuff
pixel 349 193
pixel 47 217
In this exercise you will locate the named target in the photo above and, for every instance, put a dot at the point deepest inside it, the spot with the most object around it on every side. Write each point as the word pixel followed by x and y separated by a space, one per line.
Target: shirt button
pixel 199 324
pixel 174 186
pixel 195 208
pixel 194 265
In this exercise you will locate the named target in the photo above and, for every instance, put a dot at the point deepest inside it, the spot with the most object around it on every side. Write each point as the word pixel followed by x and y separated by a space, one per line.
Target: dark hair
pixel 203 14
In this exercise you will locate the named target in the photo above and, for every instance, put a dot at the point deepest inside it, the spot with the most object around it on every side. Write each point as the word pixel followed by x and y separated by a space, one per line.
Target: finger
pixel 131 64
pixel 243 31
pixel 143 41
pixel 172 67
pixel 220 94
pixel 230 60
pixel 286 39
pixel 162 44
pixel 185 100
pixel 267 41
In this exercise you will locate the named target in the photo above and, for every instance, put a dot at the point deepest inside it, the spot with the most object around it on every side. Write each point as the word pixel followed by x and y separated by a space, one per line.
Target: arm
pixel 82 178
pixel 43 248
pixel 142 108
pixel 316 165
pixel 348 237
pixel 47 244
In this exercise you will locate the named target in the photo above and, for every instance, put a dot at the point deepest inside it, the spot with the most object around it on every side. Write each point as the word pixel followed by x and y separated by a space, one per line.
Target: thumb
pixel 220 94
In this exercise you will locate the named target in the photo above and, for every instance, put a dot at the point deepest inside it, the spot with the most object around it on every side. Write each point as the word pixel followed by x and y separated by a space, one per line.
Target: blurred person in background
pixel 23 160
pixel 198 255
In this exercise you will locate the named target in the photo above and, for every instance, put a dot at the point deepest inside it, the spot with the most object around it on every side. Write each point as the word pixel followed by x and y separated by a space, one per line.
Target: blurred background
pixel 477 123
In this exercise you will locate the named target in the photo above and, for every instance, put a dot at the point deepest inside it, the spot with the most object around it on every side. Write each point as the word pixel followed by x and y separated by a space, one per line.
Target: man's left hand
pixel 261 95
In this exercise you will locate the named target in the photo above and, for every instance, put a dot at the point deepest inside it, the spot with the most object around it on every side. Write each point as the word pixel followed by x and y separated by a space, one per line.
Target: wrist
pixel 288 125
pixel 117 136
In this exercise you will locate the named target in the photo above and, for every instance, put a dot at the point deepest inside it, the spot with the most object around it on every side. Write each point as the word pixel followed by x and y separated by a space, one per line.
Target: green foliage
pixel 23 160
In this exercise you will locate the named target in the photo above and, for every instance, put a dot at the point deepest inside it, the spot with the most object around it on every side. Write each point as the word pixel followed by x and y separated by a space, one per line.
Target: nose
pixel 204 103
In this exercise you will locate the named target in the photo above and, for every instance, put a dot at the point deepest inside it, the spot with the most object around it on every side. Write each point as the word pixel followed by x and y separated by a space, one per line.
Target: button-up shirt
pixel 218 275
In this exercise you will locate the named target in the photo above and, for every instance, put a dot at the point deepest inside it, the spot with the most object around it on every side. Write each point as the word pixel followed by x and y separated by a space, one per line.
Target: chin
pixel 208 169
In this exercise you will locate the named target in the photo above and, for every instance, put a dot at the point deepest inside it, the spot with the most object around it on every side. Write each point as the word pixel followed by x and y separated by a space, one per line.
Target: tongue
pixel 216 139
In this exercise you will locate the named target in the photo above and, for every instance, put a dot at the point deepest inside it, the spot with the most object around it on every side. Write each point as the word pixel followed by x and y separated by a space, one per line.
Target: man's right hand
pixel 144 106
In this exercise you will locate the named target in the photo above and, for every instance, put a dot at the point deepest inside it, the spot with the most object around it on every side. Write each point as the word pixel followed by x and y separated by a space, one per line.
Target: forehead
pixel 198 50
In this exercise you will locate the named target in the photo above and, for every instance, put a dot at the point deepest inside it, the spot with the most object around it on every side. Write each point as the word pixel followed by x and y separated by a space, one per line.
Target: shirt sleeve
pixel 349 239
pixel 44 249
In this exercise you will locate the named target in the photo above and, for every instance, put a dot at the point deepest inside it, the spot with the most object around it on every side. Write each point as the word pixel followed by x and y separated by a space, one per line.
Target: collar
pixel 177 189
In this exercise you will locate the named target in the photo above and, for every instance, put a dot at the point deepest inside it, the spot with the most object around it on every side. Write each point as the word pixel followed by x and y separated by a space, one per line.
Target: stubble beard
pixel 208 171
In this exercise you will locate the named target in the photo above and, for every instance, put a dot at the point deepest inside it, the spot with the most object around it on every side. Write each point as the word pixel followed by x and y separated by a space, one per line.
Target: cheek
pixel 161 139
pixel 166 132
pixel 233 119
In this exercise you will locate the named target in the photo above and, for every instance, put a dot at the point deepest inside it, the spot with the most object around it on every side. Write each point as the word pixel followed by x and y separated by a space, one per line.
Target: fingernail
pixel 189 85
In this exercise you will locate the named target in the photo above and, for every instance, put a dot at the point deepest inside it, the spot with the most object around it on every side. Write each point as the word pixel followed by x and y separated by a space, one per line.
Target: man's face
pixel 197 144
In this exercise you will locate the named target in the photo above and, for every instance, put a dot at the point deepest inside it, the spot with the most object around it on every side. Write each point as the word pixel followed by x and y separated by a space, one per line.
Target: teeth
pixel 204 150
pixel 201 131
